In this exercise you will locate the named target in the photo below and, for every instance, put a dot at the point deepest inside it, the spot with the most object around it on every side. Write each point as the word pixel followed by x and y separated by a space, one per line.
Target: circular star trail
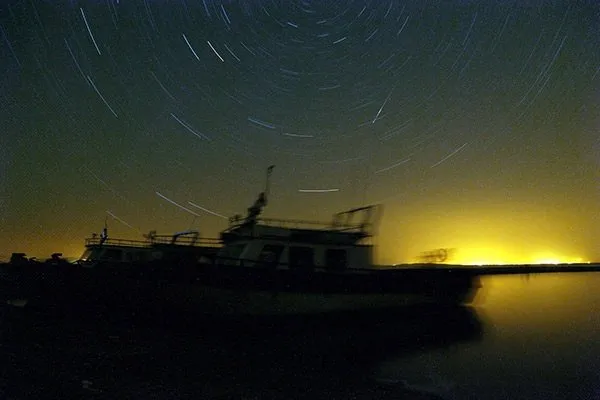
pixel 475 123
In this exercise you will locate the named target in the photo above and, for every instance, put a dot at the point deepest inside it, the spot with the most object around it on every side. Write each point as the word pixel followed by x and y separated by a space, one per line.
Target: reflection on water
pixel 302 357
pixel 529 337
pixel 541 341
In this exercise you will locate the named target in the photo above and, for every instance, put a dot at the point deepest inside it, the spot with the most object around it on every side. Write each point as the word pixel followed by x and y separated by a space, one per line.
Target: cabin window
pixel 301 257
pixel 229 253
pixel 233 251
pixel 112 255
pixel 270 254
pixel 336 259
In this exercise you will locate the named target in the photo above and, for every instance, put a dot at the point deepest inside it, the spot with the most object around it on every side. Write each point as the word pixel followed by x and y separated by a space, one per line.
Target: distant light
pixel 497 255
pixel 298 135
pixel 318 190
pixel 554 261
pixel 548 261
pixel 484 262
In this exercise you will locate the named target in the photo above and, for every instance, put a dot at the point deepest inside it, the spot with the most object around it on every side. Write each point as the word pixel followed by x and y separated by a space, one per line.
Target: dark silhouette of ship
pixel 257 266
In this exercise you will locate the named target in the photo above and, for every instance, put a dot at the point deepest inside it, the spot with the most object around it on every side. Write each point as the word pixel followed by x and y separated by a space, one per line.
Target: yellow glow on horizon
pixel 498 256
pixel 548 261
pixel 483 256
pixel 552 258
pixel 487 231
pixel 560 260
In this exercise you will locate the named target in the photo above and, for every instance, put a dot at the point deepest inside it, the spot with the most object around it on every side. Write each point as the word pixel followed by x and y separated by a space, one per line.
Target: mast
pixel 261 202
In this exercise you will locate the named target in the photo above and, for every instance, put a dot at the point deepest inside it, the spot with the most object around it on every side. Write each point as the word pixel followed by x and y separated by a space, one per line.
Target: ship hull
pixel 219 290
pixel 237 290
pixel 222 301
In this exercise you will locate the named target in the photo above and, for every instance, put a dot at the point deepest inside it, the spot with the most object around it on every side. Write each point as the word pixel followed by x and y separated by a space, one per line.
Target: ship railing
pixel 296 223
pixel 299 224
pixel 345 221
pixel 184 241
pixel 156 240
pixel 97 241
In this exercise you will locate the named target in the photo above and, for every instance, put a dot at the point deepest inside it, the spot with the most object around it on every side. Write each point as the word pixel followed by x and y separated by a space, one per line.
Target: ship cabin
pixel 291 244
pixel 181 245
pixel 116 251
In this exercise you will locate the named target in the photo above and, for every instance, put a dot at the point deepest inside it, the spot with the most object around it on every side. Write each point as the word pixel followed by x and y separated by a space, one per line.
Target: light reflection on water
pixel 540 341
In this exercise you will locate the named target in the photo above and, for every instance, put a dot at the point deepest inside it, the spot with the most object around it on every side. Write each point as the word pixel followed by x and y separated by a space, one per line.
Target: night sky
pixel 475 123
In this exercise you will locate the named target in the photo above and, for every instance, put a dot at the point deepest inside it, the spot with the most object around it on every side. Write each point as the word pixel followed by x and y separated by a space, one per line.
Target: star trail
pixel 475 123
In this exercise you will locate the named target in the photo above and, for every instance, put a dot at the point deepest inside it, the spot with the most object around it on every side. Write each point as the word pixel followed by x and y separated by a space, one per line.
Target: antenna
pixel 104 234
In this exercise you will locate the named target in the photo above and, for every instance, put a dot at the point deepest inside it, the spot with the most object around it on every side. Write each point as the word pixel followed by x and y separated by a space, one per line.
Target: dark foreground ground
pixel 171 356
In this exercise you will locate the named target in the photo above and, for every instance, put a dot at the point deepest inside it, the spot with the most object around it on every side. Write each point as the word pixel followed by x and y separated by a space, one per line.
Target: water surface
pixel 540 340
pixel 526 337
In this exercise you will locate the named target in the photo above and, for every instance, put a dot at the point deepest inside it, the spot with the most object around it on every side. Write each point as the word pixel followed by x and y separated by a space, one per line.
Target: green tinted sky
pixel 475 123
